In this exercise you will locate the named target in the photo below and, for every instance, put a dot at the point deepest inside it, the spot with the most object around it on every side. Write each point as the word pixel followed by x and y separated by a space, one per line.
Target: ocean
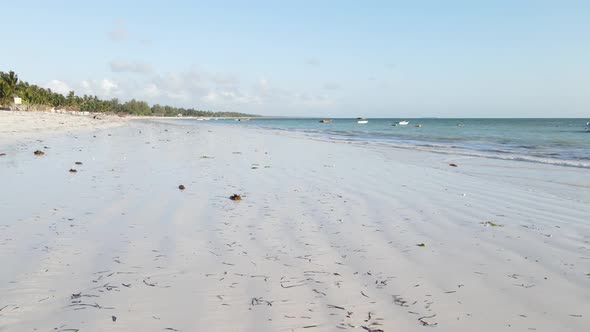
pixel 551 141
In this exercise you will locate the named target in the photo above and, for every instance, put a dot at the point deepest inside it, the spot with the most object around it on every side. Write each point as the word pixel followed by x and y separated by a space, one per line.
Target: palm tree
pixel 4 93
pixel 11 79
pixel 8 87
pixel 71 99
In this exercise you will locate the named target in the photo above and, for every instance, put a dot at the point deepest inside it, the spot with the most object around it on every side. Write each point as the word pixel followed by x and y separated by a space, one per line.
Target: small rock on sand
pixel 181 187
pixel 39 153
pixel 235 197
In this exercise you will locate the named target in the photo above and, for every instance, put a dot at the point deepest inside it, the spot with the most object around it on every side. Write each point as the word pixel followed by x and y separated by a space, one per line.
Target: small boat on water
pixel 326 121
pixel 401 123
pixel 588 126
pixel 362 120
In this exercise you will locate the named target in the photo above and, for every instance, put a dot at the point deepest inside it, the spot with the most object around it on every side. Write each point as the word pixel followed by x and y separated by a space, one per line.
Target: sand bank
pixel 327 236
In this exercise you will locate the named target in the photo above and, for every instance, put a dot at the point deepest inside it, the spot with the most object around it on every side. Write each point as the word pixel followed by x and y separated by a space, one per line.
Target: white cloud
pixel 102 88
pixel 224 79
pixel 263 84
pixel 204 90
pixel 107 85
pixel 179 87
pixel 151 91
pixel 226 96
pixel 58 86
pixel 121 66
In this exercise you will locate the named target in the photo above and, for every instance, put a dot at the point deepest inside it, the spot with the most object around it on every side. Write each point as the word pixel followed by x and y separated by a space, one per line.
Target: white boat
pixel 362 120
pixel 401 123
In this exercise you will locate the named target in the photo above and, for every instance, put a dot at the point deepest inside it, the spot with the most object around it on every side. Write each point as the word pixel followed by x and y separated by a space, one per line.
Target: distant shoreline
pixel 123 115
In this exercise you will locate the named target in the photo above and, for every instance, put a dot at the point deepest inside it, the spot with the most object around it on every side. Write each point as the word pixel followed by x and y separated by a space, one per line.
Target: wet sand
pixel 327 237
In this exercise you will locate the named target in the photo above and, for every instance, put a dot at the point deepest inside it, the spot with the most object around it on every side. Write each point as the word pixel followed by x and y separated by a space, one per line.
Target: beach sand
pixel 327 237
pixel 32 125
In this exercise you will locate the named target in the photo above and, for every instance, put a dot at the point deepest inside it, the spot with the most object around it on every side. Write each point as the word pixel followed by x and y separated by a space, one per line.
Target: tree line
pixel 33 95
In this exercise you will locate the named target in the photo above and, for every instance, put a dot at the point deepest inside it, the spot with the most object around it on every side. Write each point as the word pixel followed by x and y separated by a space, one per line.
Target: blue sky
pixel 312 58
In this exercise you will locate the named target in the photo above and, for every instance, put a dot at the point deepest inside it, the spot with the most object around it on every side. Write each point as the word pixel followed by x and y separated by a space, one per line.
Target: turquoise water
pixel 554 141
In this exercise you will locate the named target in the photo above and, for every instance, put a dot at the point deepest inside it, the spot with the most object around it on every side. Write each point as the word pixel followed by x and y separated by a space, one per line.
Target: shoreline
pixel 327 235
pixel 427 147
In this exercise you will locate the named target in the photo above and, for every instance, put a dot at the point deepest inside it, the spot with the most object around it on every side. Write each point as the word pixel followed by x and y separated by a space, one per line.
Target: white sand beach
pixel 29 125
pixel 327 237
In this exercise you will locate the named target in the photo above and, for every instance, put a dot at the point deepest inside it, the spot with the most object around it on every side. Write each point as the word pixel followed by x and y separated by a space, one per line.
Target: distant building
pixel 179 115
pixel 18 101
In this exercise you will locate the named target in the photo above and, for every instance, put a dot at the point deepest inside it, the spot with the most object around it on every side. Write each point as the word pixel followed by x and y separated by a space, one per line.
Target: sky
pixel 494 58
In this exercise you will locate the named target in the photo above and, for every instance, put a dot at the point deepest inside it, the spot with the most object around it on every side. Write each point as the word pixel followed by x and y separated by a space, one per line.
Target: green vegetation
pixel 8 86
pixel 35 96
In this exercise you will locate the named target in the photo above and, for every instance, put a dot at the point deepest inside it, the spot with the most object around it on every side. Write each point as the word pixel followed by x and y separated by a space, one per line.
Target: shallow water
pixel 552 141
